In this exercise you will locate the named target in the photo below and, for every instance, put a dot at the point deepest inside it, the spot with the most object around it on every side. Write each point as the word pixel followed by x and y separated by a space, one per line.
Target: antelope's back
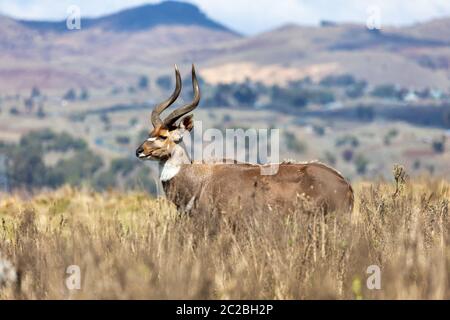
pixel 242 186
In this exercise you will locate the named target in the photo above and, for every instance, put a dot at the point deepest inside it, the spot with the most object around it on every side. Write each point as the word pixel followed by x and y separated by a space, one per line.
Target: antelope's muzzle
pixel 140 152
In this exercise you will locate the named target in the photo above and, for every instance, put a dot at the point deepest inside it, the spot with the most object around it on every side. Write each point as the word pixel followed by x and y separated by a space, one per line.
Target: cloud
pixel 250 16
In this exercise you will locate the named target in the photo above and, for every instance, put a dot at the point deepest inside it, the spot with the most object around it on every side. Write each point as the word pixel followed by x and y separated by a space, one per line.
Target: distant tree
pixel 439 145
pixel 105 119
pixel 40 112
pixel 143 82
pixel 142 181
pixel 122 140
pixel 51 141
pixel 120 170
pixel 14 111
pixel 299 101
pixel 347 139
pixel 116 91
pixel 319 130
pixel 424 93
pixel 296 84
pixel 356 90
pixel 30 171
pixel 320 96
pixel 133 121
pixel 78 168
pixel 164 82
pixel 300 97
pixel 77 117
pixel 227 118
pixel 35 92
pixel 338 80
pixel 84 95
pixel 221 96
pixel 212 115
pixel 64 142
pixel 245 95
pixel 391 134
pixel 37 137
pixel 29 104
pixel 122 166
pixel 347 155
pixel 365 113
pixel 105 180
pixel 385 91
pixel 70 95
pixel 361 163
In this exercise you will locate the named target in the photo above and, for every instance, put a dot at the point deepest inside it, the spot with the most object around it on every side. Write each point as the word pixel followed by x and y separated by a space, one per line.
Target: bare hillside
pixel 293 52
pixel 116 49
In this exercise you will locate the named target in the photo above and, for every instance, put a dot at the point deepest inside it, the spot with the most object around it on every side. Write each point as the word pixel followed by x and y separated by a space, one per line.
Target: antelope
pixel 226 187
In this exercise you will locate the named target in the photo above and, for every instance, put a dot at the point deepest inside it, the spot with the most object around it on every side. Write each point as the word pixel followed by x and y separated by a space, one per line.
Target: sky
pixel 251 16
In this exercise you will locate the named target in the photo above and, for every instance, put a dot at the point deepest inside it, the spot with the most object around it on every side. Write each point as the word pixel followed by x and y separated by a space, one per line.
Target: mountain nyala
pixel 230 186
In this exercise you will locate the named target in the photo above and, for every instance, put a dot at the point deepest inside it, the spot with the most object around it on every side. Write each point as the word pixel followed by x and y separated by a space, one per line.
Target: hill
pixel 139 18
pixel 107 51
pixel 398 56
pixel 116 49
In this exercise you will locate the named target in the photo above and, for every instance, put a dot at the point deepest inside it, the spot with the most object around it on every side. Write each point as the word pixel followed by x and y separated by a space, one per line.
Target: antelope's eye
pixel 163 137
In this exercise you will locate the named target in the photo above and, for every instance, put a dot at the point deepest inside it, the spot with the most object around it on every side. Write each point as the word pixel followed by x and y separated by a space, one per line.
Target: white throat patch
pixel 169 171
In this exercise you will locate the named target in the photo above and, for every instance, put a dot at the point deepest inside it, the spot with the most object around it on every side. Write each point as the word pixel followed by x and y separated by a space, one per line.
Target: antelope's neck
pixel 172 166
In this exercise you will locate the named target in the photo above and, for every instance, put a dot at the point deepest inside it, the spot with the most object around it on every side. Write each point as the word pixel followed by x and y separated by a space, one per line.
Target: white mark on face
pixel 151 139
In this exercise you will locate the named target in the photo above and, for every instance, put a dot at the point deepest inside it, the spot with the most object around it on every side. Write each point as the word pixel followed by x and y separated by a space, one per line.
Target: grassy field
pixel 134 246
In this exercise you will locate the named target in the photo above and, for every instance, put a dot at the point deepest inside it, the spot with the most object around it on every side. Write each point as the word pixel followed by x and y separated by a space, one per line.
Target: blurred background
pixel 359 85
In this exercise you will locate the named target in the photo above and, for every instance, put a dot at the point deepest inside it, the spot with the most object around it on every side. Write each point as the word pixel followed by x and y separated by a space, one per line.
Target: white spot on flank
pixel 190 204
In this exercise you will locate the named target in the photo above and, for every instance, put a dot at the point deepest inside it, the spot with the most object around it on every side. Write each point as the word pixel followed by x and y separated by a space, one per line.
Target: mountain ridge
pixel 415 56
pixel 137 18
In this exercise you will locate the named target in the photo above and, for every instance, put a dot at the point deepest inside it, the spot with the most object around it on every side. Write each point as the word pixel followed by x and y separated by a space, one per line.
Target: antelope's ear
pixel 186 123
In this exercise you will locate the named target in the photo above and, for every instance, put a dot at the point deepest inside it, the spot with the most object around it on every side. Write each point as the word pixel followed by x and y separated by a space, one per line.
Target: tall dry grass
pixel 131 246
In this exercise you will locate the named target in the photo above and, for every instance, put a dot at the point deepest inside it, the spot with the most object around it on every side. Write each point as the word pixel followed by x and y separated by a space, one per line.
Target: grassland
pixel 130 245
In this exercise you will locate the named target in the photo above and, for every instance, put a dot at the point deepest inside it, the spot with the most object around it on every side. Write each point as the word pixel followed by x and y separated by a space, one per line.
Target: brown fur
pixel 231 187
